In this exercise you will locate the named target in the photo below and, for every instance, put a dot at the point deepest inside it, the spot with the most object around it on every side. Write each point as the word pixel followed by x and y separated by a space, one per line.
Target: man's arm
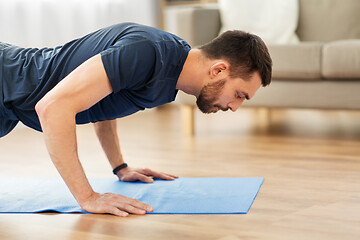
pixel 109 140
pixel 81 89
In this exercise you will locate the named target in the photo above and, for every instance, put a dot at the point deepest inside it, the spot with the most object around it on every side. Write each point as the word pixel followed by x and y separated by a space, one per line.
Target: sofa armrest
pixel 197 24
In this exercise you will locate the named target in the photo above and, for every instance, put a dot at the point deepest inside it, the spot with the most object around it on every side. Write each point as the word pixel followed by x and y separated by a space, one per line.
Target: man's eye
pixel 241 95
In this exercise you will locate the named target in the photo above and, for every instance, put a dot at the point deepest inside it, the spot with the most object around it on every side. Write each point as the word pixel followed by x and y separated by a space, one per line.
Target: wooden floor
pixel 310 161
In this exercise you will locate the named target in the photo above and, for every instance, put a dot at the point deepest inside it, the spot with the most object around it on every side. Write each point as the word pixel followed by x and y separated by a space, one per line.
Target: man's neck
pixel 192 75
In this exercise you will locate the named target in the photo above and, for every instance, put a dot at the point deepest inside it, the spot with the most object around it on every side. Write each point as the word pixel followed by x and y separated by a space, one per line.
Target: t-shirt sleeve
pixel 130 63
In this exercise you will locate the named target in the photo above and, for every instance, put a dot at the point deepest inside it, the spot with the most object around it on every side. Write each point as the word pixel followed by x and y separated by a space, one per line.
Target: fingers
pixel 117 212
pixel 136 176
pixel 144 175
pixel 159 175
pixel 140 205
pixel 133 206
pixel 116 204
pixel 173 176
pixel 134 210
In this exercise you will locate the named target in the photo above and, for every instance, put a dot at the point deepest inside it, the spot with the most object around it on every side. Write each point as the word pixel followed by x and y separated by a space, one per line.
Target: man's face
pixel 227 93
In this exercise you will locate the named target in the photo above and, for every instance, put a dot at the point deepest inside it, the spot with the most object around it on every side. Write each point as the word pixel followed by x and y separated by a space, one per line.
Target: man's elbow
pixel 54 108
pixel 41 108
pixel 46 108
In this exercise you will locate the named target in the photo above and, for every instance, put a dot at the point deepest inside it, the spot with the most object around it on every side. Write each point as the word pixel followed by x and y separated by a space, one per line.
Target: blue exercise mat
pixel 181 196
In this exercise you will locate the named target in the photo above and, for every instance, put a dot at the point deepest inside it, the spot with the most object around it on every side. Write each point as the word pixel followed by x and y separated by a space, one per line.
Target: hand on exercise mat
pixel 142 174
pixel 115 204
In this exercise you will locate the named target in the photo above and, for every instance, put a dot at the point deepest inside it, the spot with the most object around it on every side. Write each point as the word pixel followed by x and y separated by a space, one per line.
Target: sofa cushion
pixel 196 24
pixel 323 94
pixel 328 20
pixel 275 21
pixel 341 59
pixel 296 61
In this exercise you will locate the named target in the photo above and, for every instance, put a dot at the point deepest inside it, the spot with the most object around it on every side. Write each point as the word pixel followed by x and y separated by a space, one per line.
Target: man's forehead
pixel 255 76
pixel 255 80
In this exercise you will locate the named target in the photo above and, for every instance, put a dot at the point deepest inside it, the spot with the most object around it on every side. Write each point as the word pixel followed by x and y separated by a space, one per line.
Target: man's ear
pixel 218 68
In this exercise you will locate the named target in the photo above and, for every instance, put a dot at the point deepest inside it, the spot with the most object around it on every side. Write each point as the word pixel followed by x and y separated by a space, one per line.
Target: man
pixel 114 72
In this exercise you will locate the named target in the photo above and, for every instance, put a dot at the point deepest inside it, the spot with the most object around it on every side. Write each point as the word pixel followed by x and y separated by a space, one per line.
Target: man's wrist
pixel 84 196
pixel 84 200
pixel 118 168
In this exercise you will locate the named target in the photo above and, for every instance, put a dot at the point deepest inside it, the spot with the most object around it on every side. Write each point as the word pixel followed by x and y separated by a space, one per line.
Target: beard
pixel 209 94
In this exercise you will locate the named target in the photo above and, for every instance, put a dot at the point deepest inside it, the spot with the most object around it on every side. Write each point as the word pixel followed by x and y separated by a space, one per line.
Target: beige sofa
pixel 322 71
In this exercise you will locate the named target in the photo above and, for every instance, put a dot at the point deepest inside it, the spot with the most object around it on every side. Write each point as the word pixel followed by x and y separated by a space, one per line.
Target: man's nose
pixel 235 105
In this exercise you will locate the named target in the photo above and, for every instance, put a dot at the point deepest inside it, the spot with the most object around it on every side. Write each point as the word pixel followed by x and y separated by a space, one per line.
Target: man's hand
pixel 142 174
pixel 118 204
pixel 114 204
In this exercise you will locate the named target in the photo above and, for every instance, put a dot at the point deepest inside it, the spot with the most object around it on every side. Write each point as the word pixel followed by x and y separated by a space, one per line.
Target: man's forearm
pixel 109 140
pixel 59 130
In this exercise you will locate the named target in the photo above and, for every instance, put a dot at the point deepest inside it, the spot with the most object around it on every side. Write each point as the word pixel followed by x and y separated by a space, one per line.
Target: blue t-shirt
pixel 142 63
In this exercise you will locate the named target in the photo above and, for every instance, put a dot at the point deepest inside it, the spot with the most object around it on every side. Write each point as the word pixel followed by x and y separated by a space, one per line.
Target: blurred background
pixel 314 44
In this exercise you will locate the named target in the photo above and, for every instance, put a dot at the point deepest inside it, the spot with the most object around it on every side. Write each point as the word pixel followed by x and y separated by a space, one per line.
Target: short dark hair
pixel 245 52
